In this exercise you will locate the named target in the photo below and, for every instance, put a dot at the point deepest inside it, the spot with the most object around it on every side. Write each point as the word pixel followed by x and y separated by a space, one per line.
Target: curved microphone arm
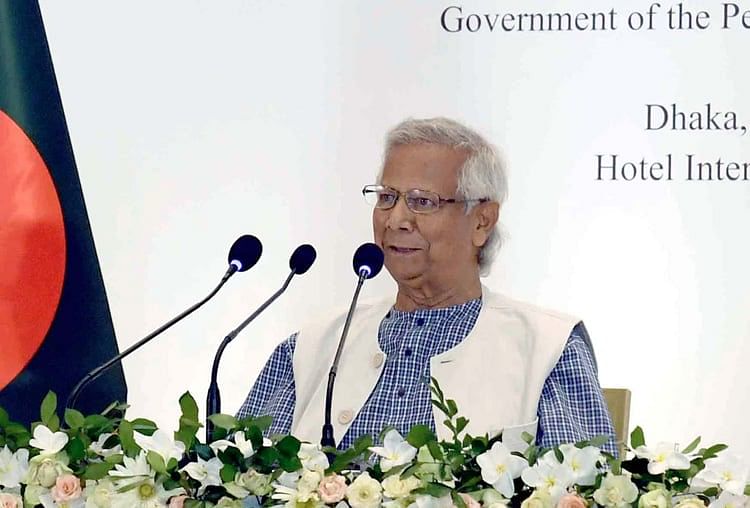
pixel 327 438
pixel 213 399
pixel 91 376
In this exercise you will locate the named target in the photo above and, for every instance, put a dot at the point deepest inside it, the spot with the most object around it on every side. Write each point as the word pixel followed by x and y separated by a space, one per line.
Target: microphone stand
pixel 98 371
pixel 213 399
pixel 327 438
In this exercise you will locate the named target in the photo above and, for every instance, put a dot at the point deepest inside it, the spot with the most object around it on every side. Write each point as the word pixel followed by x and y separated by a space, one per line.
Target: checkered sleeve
pixel 572 407
pixel 273 392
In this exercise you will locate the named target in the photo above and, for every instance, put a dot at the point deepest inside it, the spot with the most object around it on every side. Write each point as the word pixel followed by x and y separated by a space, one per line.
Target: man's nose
pixel 400 216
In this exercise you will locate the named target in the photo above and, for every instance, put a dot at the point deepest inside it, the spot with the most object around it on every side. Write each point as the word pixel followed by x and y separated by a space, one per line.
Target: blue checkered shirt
pixel 571 406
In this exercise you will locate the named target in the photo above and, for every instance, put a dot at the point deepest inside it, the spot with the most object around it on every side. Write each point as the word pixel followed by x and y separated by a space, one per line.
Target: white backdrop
pixel 194 122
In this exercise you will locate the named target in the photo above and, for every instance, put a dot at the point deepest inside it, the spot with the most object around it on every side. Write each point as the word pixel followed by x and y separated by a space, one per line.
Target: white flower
pixel 145 494
pixel 47 501
pixel 581 461
pixel 616 491
pixel 312 457
pixel 493 499
pixel 205 471
pixel 294 498
pixel 662 457
pixel 99 494
pixel 729 500
pixel 432 502
pixel 500 468
pixel 727 471
pixel 13 467
pixel 244 445
pixel 552 479
pixel 160 443
pixel 657 498
pixel 396 451
pixel 394 487
pixel 540 498
pixel 48 442
pixel 44 469
pixel 98 446
pixel 132 470
pixel 364 492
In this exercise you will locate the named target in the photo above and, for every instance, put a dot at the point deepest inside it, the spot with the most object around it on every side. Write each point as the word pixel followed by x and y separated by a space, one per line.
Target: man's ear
pixel 485 218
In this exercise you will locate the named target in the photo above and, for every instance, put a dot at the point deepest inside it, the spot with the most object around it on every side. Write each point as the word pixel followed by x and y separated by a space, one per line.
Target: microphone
pixel 301 260
pixel 367 262
pixel 243 255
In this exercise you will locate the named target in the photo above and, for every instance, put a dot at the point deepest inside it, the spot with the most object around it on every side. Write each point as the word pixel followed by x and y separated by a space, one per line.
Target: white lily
pixel 48 442
pixel 500 468
pixel 727 471
pixel 239 441
pixel 312 457
pixel 396 451
pixel 205 471
pixel 662 457
pixel 98 446
pixel 132 470
pixel 729 500
pixel 551 478
pixel 581 461
pixel 13 467
pixel 161 443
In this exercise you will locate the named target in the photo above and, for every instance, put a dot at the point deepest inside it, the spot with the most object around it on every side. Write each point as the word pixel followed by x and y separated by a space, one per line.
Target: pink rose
pixel 571 501
pixel 332 488
pixel 177 501
pixel 10 501
pixel 470 501
pixel 67 487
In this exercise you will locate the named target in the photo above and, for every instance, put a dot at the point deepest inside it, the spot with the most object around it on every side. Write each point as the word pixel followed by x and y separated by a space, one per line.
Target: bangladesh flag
pixel 55 323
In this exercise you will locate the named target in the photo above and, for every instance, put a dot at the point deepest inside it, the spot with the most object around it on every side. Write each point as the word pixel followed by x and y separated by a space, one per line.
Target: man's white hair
pixel 481 176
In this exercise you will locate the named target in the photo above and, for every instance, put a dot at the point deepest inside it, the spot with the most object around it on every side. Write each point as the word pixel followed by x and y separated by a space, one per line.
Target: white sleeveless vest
pixel 495 374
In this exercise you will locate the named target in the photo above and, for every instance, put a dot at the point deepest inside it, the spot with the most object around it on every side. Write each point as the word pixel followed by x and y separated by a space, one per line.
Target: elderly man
pixel 509 365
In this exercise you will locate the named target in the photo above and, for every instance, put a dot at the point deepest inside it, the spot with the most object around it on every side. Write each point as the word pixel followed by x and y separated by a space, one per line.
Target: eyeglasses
pixel 418 201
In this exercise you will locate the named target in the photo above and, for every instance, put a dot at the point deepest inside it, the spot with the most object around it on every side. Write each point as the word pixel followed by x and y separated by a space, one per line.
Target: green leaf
pixel 255 435
pixel 747 490
pixel 156 462
pixel 188 406
pixel 290 464
pixel 54 423
pixel 712 451
pixel 343 461
pixel 712 492
pixel 97 422
pixel 227 473
pixel 127 441
pixel 4 419
pixel 115 458
pixel 227 422
pixel 461 424
pixel 527 438
pixel 436 489
pixel 420 435
pixel 558 455
pixel 435 387
pixel 74 419
pixel 76 450
pixel 97 470
pixel 452 407
pixel 288 446
pixel 636 438
pixel 48 407
pixel 435 450
pixel 692 446
pixel 267 456
pixel 599 441
pixel 144 426
pixel 458 501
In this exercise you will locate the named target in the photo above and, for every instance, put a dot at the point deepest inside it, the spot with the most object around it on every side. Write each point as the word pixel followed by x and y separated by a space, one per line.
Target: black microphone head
pixel 245 252
pixel 302 258
pixel 368 260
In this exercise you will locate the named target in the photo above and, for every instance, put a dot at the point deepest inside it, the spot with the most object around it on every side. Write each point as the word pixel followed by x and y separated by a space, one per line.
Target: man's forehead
pixel 423 166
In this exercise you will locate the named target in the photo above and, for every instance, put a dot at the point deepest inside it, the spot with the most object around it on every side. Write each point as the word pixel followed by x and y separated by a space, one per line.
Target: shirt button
pixel 401 392
pixel 377 360
pixel 407 351
pixel 346 416
pixel 420 321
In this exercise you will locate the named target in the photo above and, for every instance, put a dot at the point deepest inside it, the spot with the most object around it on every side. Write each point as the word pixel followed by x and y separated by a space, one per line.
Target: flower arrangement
pixel 104 460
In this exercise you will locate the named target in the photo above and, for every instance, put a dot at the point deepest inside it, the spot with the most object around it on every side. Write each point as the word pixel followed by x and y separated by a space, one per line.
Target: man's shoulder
pixel 335 317
pixel 501 302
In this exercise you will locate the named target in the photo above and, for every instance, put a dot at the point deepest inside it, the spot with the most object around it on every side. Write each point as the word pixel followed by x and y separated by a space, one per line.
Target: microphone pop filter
pixel 302 258
pixel 245 252
pixel 368 260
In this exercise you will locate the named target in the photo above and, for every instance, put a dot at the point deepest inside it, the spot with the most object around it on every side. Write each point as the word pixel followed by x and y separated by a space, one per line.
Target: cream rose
pixel 364 492
pixel 67 487
pixel 44 470
pixel 658 498
pixel 616 491
pixel 690 502
pixel 258 484
pixel 571 501
pixel 538 499
pixel 10 500
pixel 493 499
pixel 332 488
pixel 394 487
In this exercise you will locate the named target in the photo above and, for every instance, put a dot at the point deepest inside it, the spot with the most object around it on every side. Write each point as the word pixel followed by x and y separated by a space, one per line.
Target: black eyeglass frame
pixel 370 189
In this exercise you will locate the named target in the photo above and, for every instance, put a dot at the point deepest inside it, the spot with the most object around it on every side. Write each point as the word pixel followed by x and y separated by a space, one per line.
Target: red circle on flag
pixel 32 250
